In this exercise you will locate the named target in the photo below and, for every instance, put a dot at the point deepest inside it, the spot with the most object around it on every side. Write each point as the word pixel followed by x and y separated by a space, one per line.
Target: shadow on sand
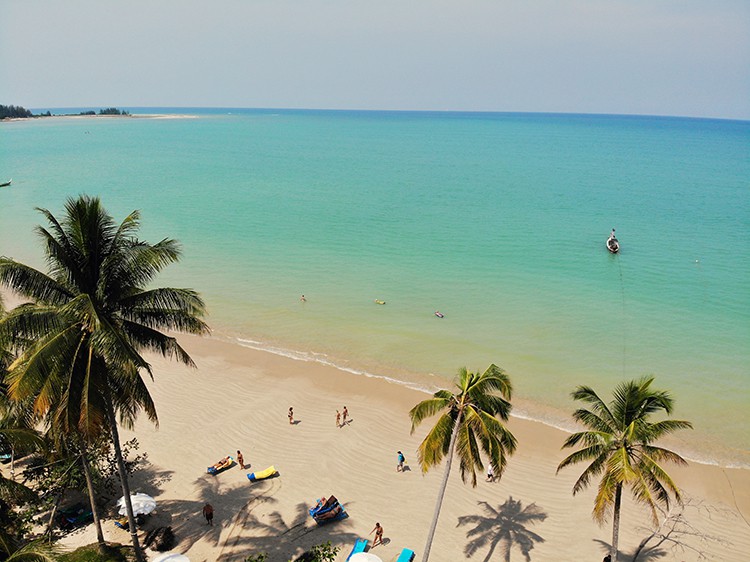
pixel 240 510
pixel 646 555
pixel 504 527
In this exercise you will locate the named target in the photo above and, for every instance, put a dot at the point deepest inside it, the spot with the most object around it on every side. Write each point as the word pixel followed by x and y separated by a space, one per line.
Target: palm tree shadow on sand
pixel 504 527
pixel 648 554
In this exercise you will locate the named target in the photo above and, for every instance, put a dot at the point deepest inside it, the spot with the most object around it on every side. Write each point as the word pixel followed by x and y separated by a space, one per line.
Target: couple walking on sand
pixel 341 417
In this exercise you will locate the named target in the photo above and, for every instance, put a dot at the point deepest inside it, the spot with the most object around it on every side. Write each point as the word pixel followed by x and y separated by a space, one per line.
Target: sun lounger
pixel 218 466
pixel 359 546
pixel 327 510
pixel 407 555
pixel 74 516
pixel 254 476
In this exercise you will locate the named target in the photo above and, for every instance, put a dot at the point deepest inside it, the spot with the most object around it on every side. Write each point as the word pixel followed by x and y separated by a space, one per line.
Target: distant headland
pixel 19 112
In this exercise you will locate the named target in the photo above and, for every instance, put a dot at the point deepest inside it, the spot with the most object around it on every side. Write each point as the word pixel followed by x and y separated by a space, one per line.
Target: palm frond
pixel 436 443
pixel 428 408
pixel 31 283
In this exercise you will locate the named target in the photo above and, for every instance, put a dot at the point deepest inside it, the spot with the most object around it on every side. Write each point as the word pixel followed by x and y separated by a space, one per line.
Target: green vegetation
pixel 92 553
pixel 619 445
pixel 113 111
pixel 469 423
pixel 80 338
pixel 18 112
pixel 323 552
pixel 14 112
pixel 108 111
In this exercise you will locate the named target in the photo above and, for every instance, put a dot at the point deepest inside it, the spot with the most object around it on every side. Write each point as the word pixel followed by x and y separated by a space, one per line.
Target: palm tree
pixel 90 319
pixel 18 416
pixel 619 446
pixel 12 550
pixel 469 422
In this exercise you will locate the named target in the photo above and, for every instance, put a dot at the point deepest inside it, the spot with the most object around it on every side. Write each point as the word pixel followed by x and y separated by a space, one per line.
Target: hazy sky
pixel 668 57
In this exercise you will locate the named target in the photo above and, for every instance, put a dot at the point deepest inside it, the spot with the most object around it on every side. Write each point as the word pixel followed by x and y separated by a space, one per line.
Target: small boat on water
pixel 613 245
pixel 439 314
pixel 7 183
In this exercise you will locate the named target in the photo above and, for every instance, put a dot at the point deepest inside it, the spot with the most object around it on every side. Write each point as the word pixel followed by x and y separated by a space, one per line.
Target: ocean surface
pixel 496 220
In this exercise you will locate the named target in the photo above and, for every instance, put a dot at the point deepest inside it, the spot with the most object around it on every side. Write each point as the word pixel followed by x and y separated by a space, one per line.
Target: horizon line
pixel 431 111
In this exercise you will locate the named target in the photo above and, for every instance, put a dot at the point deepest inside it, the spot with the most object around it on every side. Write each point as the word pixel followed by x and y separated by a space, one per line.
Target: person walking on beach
pixel 378 530
pixel 344 415
pixel 240 460
pixel 208 513
pixel 401 461
pixel 338 418
pixel 290 415
pixel 490 474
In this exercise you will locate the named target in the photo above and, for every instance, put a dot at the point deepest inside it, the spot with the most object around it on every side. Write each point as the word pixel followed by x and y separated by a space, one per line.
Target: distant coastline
pixel 20 113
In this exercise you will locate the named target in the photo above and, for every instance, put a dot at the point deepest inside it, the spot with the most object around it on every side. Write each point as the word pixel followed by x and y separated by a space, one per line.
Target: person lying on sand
pixel 226 461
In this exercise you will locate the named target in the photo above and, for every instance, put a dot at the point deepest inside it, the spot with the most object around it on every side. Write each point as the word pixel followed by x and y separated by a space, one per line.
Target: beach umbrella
pixel 171 557
pixel 143 504
pixel 364 557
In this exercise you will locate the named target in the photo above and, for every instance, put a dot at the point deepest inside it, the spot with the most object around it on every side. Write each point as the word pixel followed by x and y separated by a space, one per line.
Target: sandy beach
pixel 238 398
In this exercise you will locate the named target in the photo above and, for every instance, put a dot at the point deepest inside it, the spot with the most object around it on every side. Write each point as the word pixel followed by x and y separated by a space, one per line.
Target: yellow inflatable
pixel 253 476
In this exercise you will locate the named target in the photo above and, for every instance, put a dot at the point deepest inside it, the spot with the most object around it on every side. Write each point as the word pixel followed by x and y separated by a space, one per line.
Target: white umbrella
pixel 143 504
pixel 171 557
pixel 365 557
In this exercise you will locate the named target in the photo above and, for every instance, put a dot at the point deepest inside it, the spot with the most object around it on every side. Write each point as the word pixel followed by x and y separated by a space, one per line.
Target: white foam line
pixel 322 359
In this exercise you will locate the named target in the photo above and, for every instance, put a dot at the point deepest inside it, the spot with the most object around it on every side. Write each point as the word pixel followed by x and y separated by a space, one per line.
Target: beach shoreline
pixel 99 116
pixel 526 408
pixel 238 398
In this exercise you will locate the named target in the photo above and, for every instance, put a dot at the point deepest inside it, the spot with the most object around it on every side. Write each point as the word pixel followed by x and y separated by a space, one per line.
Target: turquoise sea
pixel 496 220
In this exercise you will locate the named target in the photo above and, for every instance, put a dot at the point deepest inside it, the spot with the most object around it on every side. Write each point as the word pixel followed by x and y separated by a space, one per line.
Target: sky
pixel 650 57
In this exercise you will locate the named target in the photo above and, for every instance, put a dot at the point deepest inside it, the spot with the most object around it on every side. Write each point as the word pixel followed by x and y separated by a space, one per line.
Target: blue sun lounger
pixel 327 510
pixel 407 555
pixel 359 546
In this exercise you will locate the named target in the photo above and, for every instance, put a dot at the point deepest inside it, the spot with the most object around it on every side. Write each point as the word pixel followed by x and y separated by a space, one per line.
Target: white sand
pixel 238 399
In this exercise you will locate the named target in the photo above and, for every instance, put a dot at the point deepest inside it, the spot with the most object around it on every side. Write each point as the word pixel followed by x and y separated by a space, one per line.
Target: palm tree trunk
pixel 92 498
pixel 441 492
pixel 51 522
pixel 616 523
pixel 139 556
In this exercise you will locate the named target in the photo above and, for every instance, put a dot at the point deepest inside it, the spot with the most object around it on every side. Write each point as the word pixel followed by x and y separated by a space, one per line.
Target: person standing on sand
pixel 290 415
pixel 378 530
pixel 208 513
pixel 344 415
pixel 401 461
pixel 240 460
pixel 338 418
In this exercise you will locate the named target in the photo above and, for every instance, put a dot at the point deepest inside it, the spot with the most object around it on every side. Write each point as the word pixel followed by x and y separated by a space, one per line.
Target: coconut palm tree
pixel 90 319
pixel 13 550
pixel 618 444
pixel 17 417
pixel 471 421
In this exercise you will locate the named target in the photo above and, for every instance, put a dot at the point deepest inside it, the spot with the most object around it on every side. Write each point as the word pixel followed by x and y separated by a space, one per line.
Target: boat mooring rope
pixel 624 317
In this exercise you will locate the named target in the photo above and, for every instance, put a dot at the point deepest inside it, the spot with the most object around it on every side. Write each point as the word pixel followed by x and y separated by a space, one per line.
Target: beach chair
pixel 74 516
pixel 359 546
pixel 407 555
pixel 327 510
